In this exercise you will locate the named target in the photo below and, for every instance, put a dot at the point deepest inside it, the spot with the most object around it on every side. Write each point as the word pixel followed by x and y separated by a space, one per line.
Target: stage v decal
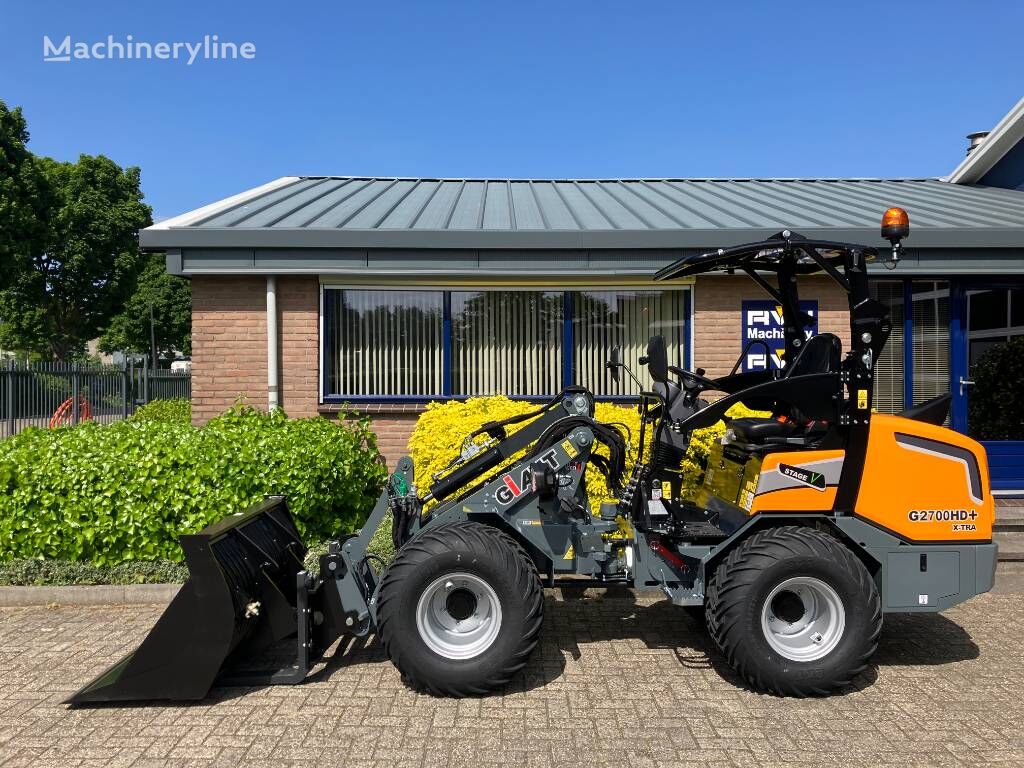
pixel 805 476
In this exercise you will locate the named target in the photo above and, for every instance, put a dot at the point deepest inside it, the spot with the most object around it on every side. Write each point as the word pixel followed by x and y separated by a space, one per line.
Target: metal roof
pixel 390 212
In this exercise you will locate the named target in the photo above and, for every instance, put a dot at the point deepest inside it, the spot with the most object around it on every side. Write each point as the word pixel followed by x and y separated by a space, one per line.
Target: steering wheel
pixel 696 381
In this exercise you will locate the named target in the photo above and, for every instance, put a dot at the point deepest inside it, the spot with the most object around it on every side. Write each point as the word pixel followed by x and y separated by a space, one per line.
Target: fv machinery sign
pixel 764 340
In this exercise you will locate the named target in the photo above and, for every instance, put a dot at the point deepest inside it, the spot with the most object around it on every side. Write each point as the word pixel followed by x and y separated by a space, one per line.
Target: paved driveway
pixel 617 681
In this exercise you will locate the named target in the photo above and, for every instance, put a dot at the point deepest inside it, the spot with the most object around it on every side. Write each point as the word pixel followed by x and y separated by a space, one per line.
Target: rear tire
pixel 460 609
pixel 794 612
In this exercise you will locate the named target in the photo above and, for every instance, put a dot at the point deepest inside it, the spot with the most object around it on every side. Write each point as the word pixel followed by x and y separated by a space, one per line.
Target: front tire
pixel 460 609
pixel 794 612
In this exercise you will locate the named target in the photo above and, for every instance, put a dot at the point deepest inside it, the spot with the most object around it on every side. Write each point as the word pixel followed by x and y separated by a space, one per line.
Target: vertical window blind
pixel 888 394
pixel 427 344
pixel 384 343
pixel 627 319
pixel 506 342
pixel 929 343
pixel 930 339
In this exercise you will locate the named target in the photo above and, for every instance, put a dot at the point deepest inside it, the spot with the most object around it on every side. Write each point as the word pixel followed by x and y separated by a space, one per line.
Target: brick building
pixel 318 293
pixel 229 339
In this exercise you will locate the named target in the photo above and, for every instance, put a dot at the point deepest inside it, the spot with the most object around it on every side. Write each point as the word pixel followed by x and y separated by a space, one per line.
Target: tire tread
pixel 471 536
pixel 736 575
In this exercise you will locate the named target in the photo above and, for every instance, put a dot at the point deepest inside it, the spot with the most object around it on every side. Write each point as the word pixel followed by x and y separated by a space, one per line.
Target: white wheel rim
pixel 458 616
pixel 803 619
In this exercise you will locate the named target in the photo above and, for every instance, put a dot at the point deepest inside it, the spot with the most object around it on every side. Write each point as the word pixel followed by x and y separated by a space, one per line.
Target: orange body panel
pixel 925 483
pixel 801 492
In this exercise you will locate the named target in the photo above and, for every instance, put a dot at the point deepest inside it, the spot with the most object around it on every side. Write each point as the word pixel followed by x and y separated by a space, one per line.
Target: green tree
pixel 66 288
pixel 23 191
pixel 171 300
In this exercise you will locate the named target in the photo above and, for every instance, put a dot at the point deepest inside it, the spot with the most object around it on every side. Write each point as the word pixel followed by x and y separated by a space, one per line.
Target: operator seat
pixel 821 354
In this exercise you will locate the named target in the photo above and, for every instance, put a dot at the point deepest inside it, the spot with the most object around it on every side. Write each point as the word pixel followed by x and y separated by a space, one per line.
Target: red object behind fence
pixel 63 415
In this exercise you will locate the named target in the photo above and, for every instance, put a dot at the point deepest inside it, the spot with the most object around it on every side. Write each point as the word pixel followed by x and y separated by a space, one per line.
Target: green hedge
pixel 995 409
pixel 176 409
pixel 123 492
pixel 55 573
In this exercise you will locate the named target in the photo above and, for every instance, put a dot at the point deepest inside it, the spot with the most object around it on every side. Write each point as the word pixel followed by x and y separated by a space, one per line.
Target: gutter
pixel 240 244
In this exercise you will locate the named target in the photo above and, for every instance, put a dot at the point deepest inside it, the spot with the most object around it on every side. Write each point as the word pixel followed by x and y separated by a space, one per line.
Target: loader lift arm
pixel 248 589
pixel 562 433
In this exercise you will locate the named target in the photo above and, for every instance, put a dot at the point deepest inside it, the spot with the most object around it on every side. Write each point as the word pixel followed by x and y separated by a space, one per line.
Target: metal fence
pixel 34 394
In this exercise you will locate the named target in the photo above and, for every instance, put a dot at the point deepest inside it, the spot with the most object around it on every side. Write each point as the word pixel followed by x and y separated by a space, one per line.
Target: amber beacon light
pixel 895 227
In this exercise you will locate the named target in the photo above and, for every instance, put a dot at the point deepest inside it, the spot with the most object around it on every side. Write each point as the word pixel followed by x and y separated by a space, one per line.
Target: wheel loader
pixel 811 523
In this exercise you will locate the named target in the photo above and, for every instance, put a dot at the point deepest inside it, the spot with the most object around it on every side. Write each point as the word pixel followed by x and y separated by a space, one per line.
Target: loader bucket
pixel 239 598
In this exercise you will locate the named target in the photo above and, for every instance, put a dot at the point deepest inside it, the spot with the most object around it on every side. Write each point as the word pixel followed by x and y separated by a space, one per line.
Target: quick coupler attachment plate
pixel 241 596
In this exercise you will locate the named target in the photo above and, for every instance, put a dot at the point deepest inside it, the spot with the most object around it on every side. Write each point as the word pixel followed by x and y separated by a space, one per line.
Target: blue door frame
pixel 1005 457
pixel 958 359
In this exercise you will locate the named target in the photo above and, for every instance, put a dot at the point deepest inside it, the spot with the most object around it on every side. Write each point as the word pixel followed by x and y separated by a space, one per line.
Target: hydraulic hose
pixel 496 428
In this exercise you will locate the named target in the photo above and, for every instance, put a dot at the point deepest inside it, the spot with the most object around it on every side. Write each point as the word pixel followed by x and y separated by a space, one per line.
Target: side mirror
pixel 615 363
pixel 657 359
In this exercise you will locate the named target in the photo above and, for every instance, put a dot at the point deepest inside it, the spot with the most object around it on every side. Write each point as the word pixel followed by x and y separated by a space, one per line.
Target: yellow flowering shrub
pixel 441 428
pixel 700 446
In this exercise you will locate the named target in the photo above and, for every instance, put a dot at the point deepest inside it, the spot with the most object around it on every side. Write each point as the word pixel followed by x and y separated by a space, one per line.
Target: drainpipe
pixel 273 398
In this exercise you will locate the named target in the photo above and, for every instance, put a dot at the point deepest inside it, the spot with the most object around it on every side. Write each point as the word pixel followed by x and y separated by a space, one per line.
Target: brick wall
pixel 229 352
pixel 298 305
pixel 229 343
pixel 393 432
pixel 717 321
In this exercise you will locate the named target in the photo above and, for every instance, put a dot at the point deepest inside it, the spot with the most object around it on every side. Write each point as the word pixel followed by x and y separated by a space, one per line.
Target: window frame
pixel 1002 332
pixel 907 284
pixel 326 333
pixel 555 373
pixel 568 338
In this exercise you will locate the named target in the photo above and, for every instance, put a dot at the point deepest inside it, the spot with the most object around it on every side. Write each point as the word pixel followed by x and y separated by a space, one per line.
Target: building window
pixel 930 339
pixel 383 343
pixel 928 349
pixel 995 316
pixel 431 344
pixel 506 341
pixel 888 395
pixel 627 319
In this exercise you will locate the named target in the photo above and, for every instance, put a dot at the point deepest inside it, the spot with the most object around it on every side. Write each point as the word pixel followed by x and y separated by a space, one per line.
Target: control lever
pixel 614 366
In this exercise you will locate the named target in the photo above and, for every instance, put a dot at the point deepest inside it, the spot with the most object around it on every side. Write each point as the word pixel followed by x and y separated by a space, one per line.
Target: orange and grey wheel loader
pixel 811 523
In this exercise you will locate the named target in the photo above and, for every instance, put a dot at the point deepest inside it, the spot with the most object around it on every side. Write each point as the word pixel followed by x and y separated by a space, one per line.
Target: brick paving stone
pixel 617 681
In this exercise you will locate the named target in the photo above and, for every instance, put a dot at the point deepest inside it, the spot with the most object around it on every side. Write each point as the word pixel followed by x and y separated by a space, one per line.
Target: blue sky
pixel 557 88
